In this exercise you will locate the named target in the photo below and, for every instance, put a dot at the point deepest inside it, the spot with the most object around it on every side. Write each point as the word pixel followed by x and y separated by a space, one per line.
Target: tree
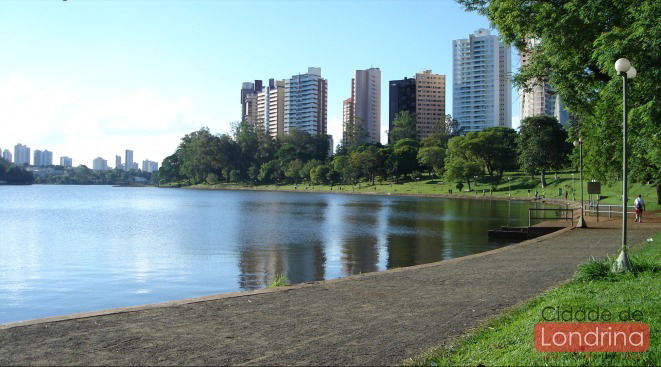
pixel 432 158
pixel 579 42
pixel 199 155
pixel 404 127
pixel 495 147
pixel 292 172
pixel 405 156
pixel 319 174
pixel 542 145
pixel 459 170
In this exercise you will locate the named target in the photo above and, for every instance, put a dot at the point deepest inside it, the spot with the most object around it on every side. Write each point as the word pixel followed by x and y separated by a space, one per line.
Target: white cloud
pixel 82 126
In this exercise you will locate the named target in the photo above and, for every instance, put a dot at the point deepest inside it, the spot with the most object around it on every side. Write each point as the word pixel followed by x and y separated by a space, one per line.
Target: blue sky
pixel 91 78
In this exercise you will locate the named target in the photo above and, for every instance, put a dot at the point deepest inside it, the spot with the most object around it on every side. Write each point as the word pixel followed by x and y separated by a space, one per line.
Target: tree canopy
pixel 579 42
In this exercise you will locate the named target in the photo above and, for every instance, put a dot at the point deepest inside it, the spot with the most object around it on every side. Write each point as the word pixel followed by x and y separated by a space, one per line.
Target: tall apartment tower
pixel 401 98
pixel 38 158
pixel 306 103
pixel 422 96
pixel 66 161
pixel 347 117
pixel 21 154
pixel 249 93
pixel 118 162
pixel 481 82
pixel 540 99
pixel 6 155
pixel 128 160
pixel 429 102
pixel 99 164
pixel 366 103
pixel 271 108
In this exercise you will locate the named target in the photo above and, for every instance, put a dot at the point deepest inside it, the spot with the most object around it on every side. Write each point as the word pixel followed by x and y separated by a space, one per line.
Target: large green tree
pixel 579 42
pixel 404 127
pixel 542 146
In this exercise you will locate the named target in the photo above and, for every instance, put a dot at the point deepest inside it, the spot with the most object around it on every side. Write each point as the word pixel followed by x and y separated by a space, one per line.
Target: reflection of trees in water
pixel 258 267
pixel 360 255
pixel 266 243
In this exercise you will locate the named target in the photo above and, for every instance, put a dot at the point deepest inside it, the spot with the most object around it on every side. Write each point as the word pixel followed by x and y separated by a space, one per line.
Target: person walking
pixel 639 204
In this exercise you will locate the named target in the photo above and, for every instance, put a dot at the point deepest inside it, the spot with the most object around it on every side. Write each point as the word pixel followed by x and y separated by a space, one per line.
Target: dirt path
pixel 372 319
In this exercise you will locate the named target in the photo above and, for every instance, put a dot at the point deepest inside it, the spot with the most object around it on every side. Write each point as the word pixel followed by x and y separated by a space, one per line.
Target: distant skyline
pixel 93 78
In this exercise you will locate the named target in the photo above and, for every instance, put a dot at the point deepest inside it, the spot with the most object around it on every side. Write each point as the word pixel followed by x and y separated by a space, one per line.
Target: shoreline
pixel 571 203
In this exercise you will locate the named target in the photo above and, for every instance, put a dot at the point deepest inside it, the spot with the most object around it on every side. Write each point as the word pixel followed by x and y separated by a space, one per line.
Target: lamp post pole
pixel 579 143
pixel 626 71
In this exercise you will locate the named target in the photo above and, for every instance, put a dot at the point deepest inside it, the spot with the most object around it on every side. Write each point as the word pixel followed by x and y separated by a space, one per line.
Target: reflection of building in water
pixel 268 251
pixel 260 266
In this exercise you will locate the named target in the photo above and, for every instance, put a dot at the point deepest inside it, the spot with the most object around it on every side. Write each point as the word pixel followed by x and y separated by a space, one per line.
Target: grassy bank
pixel 514 184
pixel 508 339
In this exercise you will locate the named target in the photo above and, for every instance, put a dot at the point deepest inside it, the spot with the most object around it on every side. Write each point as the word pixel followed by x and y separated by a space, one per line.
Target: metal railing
pixel 611 210
pixel 567 215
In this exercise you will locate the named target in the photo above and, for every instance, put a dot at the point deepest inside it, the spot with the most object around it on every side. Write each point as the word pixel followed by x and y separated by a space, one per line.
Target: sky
pixel 90 78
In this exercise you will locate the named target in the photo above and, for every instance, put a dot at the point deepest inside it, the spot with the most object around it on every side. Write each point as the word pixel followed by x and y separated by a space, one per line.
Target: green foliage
pixel 279 281
pixel 507 340
pixel 14 175
pixel 542 145
pixel 580 40
pixel 432 158
pixel 495 147
pixel 404 127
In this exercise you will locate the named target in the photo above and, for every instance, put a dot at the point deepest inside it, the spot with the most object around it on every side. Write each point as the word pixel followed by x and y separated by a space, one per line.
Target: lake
pixel 67 249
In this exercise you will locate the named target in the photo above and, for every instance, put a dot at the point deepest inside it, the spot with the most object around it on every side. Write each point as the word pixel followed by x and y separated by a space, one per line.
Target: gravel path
pixel 371 319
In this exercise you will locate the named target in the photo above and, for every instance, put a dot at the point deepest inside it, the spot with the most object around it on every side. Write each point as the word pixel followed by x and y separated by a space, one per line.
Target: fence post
pixel 529 223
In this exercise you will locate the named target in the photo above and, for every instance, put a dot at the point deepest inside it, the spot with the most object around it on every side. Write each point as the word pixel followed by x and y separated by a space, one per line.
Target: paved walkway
pixel 372 319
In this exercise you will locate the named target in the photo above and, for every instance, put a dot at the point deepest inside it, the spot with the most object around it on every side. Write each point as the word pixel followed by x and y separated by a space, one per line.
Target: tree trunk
pixel 469 184
pixel 543 179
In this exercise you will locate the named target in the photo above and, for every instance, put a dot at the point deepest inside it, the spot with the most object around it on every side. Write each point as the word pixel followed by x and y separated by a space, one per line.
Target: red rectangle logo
pixel 592 337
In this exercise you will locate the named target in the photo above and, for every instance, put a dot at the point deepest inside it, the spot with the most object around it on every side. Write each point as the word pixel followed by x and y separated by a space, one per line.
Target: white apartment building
pixel 99 164
pixel 540 99
pixel 481 82
pixel 271 108
pixel 306 101
pixel 366 103
pixel 21 154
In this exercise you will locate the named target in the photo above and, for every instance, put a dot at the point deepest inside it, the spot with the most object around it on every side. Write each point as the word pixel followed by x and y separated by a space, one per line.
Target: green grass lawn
pixel 508 339
pixel 517 186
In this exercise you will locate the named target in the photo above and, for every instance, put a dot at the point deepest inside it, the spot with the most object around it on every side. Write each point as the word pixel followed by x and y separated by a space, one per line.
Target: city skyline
pixel 130 88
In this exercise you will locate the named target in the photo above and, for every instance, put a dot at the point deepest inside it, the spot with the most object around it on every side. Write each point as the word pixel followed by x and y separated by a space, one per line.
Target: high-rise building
pixel 149 166
pixel 249 93
pixel 422 96
pixel 21 154
pixel 38 159
pixel 429 102
pixel 401 96
pixel 134 166
pixel 366 104
pixel 66 161
pixel 6 155
pixel 118 162
pixel 271 108
pixel 540 99
pixel 347 117
pixel 306 101
pixel 481 82
pixel 128 160
pixel 48 158
pixel 99 164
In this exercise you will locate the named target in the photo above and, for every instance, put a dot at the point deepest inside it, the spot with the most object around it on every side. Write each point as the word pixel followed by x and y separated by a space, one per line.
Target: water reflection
pixel 72 249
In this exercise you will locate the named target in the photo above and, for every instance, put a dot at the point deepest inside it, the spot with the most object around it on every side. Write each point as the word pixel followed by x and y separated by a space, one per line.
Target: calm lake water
pixel 66 249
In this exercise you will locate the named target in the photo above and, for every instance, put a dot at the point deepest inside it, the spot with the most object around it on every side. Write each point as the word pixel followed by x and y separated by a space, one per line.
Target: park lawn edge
pixel 517 187
pixel 468 349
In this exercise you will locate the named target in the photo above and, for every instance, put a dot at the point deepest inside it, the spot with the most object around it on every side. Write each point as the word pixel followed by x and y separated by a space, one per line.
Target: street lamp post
pixel 626 71
pixel 579 143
